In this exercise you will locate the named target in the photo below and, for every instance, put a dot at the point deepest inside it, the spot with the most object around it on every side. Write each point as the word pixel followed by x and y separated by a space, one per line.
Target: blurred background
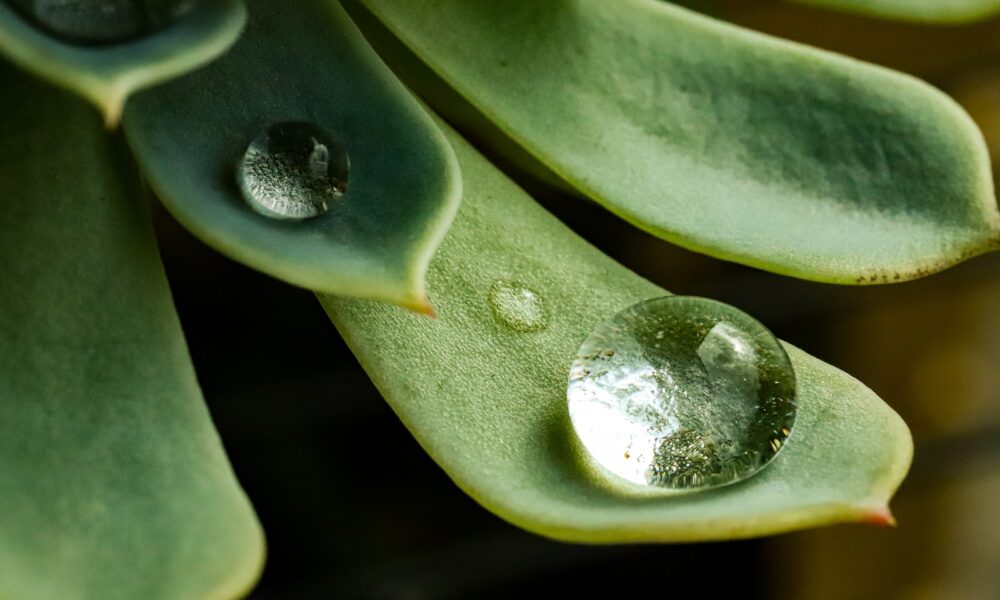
pixel 292 405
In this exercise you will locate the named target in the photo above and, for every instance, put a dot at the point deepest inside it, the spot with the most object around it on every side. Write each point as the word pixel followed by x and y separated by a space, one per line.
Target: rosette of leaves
pixel 113 483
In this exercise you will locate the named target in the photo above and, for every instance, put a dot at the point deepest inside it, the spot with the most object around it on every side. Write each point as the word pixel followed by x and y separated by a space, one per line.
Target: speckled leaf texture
pixel 113 482
pixel 107 74
pixel 488 403
pixel 923 11
pixel 719 139
pixel 304 61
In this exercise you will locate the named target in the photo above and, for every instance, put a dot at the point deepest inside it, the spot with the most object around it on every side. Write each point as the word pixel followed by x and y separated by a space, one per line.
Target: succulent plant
pixel 275 133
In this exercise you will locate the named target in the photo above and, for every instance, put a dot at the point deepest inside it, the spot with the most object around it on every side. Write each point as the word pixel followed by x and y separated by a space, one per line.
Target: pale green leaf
pixel 489 403
pixel 304 61
pixel 108 74
pixel 113 482
pixel 926 11
pixel 722 140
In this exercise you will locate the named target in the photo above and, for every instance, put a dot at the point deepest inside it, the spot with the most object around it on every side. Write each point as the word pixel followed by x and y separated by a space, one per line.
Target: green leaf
pixel 716 138
pixel 489 403
pixel 304 61
pixel 926 11
pixel 107 75
pixel 113 483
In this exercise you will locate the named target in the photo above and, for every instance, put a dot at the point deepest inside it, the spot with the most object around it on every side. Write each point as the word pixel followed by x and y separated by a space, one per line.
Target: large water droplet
pixel 682 393
pixel 293 171
pixel 102 21
pixel 518 306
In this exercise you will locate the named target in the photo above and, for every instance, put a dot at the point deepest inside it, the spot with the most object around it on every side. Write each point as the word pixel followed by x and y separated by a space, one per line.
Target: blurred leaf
pixel 489 403
pixel 107 75
pixel 304 62
pixel 928 11
pixel 113 483
pixel 716 138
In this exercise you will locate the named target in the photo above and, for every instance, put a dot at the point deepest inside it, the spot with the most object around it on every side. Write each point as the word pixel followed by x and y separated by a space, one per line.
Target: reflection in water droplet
pixel 102 21
pixel 682 393
pixel 518 307
pixel 293 171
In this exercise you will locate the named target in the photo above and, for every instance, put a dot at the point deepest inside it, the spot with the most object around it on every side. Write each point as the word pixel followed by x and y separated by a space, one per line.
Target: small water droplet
pixel 293 171
pixel 102 21
pixel 518 306
pixel 682 393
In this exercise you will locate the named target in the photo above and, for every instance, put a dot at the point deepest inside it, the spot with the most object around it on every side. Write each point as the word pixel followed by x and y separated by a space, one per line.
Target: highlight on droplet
pixel 682 393
pixel 293 171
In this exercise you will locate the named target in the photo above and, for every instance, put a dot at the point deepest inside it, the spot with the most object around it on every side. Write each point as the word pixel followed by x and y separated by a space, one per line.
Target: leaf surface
pixel 925 11
pixel 488 402
pixel 107 74
pixel 113 482
pixel 304 61
pixel 716 138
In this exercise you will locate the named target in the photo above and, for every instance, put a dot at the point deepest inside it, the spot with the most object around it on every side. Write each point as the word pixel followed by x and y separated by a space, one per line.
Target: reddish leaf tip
pixel 880 517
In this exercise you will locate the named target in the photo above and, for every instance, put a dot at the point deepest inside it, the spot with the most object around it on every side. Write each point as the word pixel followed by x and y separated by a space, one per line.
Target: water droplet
pixel 293 171
pixel 102 21
pixel 682 393
pixel 518 306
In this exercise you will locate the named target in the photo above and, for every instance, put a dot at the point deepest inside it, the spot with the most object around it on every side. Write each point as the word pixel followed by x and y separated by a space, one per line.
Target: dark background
pixel 292 405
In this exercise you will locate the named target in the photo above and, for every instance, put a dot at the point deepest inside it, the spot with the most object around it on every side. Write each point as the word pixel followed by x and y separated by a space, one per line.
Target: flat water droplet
pixel 682 393
pixel 293 171
pixel 518 306
pixel 102 21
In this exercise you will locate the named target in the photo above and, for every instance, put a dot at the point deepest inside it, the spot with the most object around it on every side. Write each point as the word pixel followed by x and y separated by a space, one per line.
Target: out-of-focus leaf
pixel 113 483
pixel 304 61
pixel 488 403
pixel 926 11
pixel 719 139
pixel 106 75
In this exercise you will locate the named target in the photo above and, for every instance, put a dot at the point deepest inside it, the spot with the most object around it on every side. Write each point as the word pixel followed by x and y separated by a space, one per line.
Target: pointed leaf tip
pixel 880 517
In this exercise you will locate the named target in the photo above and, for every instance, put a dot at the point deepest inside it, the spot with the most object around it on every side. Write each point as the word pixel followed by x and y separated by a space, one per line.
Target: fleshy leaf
pixel 926 11
pixel 106 75
pixel 304 61
pixel 719 139
pixel 113 483
pixel 488 402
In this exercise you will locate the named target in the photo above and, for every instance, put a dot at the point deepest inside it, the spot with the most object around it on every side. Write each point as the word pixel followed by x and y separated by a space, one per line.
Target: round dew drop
pixel 682 393
pixel 293 171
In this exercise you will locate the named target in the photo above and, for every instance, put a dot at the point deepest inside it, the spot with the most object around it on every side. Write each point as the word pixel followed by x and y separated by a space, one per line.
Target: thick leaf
pixel 489 403
pixel 113 483
pixel 107 75
pixel 928 11
pixel 304 61
pixel 716 138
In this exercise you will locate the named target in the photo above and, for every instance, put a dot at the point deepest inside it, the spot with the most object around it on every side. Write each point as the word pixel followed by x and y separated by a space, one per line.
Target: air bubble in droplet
pixel 102 21
pixel 293 171
pixel 518 307
pixel 682 393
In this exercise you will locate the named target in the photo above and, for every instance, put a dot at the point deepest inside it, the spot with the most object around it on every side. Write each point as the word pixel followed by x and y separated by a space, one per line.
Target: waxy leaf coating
pixel 926 11
pixel 719 139
pixel 488 400
pixel 113 482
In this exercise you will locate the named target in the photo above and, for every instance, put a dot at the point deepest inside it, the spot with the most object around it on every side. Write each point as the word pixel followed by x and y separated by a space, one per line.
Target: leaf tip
pixel 423 306
pixel 112 105
pixel 879 517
